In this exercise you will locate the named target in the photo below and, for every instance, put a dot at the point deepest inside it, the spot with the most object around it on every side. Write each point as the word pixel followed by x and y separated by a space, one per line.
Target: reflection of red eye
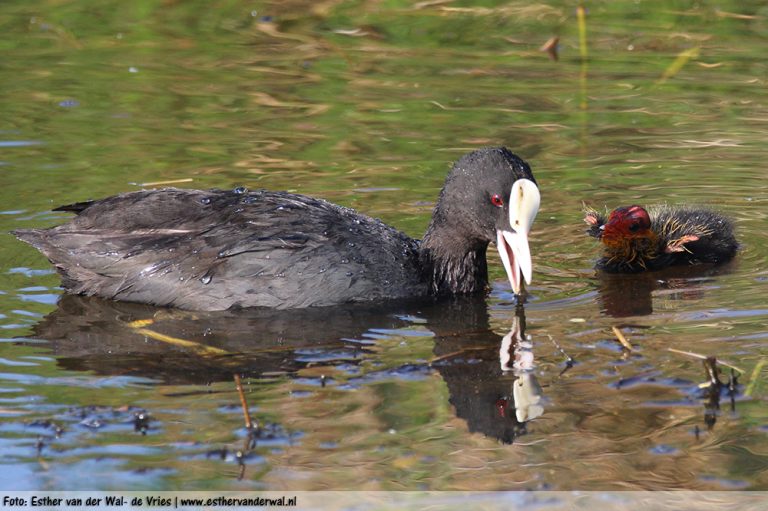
pixel 496 200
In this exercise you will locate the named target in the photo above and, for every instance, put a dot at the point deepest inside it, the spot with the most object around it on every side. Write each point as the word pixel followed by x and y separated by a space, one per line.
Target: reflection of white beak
pixel 526 391
pixel 513 246
pixel 527 394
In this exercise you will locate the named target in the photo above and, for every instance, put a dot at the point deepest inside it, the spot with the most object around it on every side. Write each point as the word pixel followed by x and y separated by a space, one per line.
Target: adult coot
pixel 636 239
pixel 213 250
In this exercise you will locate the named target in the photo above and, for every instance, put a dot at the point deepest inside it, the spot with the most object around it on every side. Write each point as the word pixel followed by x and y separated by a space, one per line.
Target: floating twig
pixel 139 327
pixel 623 340
pixel 551 47
pixel 168 182
pixel 682 58
pixel 703 357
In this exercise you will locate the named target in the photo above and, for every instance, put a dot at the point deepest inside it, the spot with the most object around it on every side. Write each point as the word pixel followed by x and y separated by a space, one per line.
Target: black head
pixel 490 195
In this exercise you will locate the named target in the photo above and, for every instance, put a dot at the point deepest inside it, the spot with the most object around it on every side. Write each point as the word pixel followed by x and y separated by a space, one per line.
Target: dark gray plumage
pixel 214 250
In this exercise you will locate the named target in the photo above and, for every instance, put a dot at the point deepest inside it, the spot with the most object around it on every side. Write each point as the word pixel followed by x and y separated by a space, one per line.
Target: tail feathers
pixel 32 236
pixel 38 239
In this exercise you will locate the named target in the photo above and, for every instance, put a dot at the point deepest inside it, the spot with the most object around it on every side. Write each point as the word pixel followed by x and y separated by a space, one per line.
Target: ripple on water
pixel 16 363
pixel 29 379
pixel 636 148
pixel 389 333
pixel 107 473
pixel 29 314
pixel 727 484
pixel 271 434
pixel 315 355
pixel 19 143
pixel 228 456
pixel 406 372
pixel 663 449
pixel 652 379
pixel 43 298
pixel 61 434
pixel 315 382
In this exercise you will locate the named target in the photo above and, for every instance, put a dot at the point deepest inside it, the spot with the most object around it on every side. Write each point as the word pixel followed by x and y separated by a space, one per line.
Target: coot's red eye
pixel 496 200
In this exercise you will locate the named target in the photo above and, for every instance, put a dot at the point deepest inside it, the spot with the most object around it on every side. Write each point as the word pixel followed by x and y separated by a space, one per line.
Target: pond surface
pixel 367 104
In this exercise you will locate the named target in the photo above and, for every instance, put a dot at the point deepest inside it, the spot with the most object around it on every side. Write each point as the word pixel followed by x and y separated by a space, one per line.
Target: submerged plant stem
pixel 754 378
pixel 243 402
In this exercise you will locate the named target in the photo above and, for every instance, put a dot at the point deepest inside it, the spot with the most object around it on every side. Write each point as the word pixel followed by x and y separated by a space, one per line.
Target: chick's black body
pixel 674 235
pixel 214 250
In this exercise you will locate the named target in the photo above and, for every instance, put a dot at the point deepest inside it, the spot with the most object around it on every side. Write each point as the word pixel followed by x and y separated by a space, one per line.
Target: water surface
pixel 367 104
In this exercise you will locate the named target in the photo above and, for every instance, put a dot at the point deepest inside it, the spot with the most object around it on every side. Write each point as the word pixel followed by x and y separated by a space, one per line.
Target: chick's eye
pixel 634 227
pixel 496 200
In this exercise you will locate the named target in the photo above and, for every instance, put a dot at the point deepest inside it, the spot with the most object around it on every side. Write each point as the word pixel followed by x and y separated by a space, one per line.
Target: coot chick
pixel 636 239
pixel 215 250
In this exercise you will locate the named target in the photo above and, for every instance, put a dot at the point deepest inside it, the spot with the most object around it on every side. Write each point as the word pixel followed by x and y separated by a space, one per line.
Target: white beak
pixel 513 246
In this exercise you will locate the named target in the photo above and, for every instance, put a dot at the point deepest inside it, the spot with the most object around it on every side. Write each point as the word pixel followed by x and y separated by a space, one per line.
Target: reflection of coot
pixel 176 346
pixel 626 295
pixel 623 295
pixel 493 399
pixel 113 338
pixel 180 347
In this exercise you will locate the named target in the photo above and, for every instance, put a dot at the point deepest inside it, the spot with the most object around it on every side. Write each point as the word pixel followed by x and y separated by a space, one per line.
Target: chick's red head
pixel 626 223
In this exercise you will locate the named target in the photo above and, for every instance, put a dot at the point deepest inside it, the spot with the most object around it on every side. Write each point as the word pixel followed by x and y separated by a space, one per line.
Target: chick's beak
pixel 513 245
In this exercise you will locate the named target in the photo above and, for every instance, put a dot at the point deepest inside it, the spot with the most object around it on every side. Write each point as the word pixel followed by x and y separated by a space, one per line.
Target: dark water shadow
pixel 182 347
pixel 489 376
pixel 624 295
